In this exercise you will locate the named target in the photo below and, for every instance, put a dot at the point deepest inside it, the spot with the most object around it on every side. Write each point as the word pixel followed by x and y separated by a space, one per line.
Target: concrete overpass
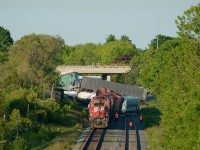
pixel 105 70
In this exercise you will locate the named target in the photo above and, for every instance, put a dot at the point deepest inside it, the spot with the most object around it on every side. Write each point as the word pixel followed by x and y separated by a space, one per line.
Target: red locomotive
pixel 103 107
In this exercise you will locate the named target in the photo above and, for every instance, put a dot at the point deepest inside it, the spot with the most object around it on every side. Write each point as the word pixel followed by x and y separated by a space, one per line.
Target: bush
pixel 20 144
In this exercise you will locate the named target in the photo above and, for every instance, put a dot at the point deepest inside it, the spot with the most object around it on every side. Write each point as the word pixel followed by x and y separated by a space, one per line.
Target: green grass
pixel 153 135
pixel 65 140
pixel 61 132
pixel 151 118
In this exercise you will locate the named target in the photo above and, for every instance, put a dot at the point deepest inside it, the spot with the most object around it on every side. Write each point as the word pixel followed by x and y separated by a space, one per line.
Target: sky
pixel 86 21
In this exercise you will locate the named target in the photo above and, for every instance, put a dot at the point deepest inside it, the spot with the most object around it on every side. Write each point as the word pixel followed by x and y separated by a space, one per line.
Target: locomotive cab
pixel 99 112
pixel 102 107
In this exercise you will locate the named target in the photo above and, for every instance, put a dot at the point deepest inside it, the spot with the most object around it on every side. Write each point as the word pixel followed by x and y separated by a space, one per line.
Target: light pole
pixel 158 33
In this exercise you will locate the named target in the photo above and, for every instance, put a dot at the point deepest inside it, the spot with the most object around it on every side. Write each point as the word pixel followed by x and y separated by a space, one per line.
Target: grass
pixel 62 133
pixel 64 140
pixel 151 118
pixel 153 135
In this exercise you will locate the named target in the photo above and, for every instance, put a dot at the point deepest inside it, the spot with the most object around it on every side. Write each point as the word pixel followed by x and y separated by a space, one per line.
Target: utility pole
pixel 158 33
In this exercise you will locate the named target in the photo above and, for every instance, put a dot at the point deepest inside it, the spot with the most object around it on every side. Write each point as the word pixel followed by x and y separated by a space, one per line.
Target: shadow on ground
pixel 151 116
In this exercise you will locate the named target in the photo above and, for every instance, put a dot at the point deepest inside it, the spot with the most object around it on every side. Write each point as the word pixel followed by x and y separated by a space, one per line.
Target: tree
pixel 161 39
pixel 20 144
pixel 81 55
pixel 124 38
pixel 110 38
pixel 2 133
pixel 188 24
pixel 172 74
pixel 35 58
pixel 15 123
pixel 131 78
pixel 119 52
pixel 5 42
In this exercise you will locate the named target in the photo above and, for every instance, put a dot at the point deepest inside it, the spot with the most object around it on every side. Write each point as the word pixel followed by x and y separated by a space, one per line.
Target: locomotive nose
pixel 98 122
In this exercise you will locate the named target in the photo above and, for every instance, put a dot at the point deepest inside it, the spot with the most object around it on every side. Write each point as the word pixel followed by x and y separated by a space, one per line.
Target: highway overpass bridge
pixel 104 70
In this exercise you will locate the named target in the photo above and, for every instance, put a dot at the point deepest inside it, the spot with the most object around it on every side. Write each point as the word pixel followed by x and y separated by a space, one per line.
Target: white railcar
pixel 85 96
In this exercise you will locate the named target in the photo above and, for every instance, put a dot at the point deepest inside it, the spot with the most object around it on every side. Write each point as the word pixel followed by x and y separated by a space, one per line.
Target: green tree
pixel 179 93
pixel 81 55
pixel 67 50
pixel 110 38
pixel 188 24
pixel 20 144
pixel 35 58
pixel 15 98
pixel 119 52
pixel 5 42
pixel 172 73
pixel 15 122
pixel 131 78
pixel 2 133
pixel 124 38
pixel 161 39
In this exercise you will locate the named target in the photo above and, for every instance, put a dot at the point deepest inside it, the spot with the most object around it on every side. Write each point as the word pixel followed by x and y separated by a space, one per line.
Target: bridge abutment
pixel 106 77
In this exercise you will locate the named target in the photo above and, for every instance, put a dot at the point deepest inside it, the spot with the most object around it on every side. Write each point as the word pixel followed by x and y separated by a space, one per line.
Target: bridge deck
pixel 94 69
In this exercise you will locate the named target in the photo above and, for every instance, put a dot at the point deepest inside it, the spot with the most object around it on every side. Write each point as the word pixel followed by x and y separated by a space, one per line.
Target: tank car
pixel 130 104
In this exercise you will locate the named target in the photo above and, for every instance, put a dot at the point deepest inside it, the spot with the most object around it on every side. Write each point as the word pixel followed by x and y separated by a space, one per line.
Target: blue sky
pixel 83 21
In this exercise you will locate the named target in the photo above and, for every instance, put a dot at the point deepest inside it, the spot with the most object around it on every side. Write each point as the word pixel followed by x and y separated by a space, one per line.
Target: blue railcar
pixel 130 104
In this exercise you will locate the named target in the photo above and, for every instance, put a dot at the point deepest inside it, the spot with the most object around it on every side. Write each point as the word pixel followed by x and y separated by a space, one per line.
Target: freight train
pixel 103 106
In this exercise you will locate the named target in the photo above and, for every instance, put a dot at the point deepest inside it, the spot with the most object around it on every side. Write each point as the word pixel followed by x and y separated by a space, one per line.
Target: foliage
pixel 160 39
pixel 20 144
pixel 66 52
pixel 110 38
pixel 5 42
pixel 35 58
pixel 125 38
pixel 80 55
pixel 172 73
pixel 115 52
pixel 188 24
pixel 131 78
pixel 118 52
pixel 16 99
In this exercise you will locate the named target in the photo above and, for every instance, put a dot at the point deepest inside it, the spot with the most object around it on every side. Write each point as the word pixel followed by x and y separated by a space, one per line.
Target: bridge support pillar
pixel 106 77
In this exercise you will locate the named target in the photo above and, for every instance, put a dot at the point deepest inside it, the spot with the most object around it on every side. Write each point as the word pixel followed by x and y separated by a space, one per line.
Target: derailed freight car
pixel 102 107
pixel 130 104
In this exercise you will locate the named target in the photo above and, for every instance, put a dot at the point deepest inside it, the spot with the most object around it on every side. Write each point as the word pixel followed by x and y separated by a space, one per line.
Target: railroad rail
pixel 95 139
pixel 121 135
pixel 137 137
pixel 126 135
pixel 131 133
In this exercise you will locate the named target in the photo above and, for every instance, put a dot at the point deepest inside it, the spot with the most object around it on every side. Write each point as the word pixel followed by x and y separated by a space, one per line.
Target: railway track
pixel 123 135
pixel 95 139
pixel 132 134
